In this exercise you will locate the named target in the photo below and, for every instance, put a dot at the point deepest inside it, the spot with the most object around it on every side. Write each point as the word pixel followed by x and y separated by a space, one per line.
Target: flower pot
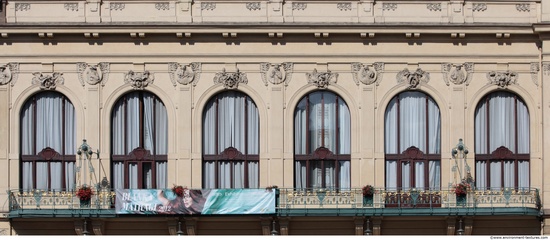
pixel 461 199
pixel 85 203
pixel 367 200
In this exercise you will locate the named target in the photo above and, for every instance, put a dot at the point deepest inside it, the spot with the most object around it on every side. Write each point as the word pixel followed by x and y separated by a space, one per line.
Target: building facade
pixel 370 116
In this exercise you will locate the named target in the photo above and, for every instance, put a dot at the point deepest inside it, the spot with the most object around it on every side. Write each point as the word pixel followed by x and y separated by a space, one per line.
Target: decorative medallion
pixel 139 80
pixel 535 69
pixel 47 82
pixel 457 74
pixel 92 74
pixel 502 79
pixel 276 73
pixel 413 78
pixel 9 73
pixel 230 79
pixel 321 79
pixel 184 74
pixel 366 74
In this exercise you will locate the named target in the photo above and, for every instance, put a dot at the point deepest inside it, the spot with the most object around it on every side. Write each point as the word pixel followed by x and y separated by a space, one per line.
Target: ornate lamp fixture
pixel 367 231
pixel 273 229
pixel 180 232
pixel 460 155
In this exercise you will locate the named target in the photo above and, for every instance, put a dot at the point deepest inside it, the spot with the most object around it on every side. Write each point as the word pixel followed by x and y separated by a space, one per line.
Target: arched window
pixel 322 142
pixel 231 130
pixel 139 140
pixel 413 142
pixel 502 142
pixel 48 143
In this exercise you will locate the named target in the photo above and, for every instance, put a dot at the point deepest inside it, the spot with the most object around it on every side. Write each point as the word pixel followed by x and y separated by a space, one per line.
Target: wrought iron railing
pixel 311 199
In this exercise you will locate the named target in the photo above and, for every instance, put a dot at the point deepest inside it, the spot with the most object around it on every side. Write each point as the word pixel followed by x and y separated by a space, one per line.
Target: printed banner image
pixel 195 201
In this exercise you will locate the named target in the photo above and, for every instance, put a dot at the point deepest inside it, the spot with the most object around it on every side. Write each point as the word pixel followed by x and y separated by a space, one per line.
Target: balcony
pixel 310 202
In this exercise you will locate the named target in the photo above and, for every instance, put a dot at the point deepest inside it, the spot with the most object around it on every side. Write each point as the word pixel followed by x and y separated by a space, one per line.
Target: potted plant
pixel 368 193
pixel 84 193
pixel 461 190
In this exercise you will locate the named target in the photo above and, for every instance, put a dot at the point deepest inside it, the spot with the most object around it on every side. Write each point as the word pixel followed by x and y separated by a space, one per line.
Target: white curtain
pixel 497 114
pixel 126 130
pixel 49 109
pixel 238 121
pixel 328 115
pixel 418 117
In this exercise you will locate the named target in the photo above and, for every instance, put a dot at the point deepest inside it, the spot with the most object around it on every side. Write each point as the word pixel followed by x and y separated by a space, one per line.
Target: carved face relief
pixel 48 82
pixel 413 79
pixel 457 74
pixel 184 74
pixel 276 73
pixel 502 79
pixel 366 74
pixel 92 74
pixel 230 80
pixel 8 73
pixel 139 80
pixel 322 79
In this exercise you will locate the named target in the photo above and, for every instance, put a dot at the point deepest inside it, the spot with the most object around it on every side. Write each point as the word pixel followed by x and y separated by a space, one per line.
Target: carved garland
pixel 9 73
pixel 413 79
pixel 321 79
pixel 230 80
pixel 184 74
pixel 276 73
pixel 92 74
pixel 47 82
pixel 139 80
pixel 502 79
pixel 366 74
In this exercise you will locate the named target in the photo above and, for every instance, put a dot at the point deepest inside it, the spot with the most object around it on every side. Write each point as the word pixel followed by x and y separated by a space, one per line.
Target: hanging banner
pixel 195 201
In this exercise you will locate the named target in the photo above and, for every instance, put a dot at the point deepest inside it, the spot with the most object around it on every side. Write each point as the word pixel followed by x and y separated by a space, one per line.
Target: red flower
pixel 84 193
pixel 461 189
pixel 178 190
pixel 368 191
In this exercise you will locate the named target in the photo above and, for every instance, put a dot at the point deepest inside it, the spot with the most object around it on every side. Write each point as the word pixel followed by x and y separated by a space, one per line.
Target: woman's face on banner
pixel 187 200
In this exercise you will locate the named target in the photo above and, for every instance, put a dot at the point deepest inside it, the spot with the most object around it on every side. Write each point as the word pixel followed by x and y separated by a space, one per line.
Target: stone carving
pixel 276 73
pixel 322 79
pixel 389 6
pixel 479 7
pixel 9 73
pixel 117 6
pixel 299 6
pixel 457 74
pixel 92 74
pixel 252 6
pixel 434 6
pixel 71 6
pixel 366 74
pixel 523 7
pixel 208 6
pixel 535 69
pixel 162 6
pixel 47 82
pixel 22 7
pixel 230 79
pixel 184 74
pixel 413 79
pixel 139 80
pixel 546 68
pixel 344 6
pixel 502 79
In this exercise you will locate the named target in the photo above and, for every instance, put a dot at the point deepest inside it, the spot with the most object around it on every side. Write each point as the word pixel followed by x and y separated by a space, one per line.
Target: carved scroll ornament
pixel 47 82
pixel 413 79
pixel 230 79
pixel 502 79
pixel 322 79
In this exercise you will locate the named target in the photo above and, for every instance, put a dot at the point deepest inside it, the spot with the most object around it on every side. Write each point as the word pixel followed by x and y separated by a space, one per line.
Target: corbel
pixel 4 35
pixel 277 35
pixel 135 35
pixel 45 35
pixel 503 35
pixel 181 35
pixel 458 35
pixel 91 35
pixel 365 35
pixel 411 35
pixel 226 34
pixel 319 35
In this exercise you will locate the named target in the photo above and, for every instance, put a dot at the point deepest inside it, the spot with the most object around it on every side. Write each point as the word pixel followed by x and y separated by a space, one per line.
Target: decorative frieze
pixel 434 6
pixel 276 73
pixel 92 74
pixel 139 80
pixel 71 6
pixel 457 74
pixel 184 74
pixel 209 6
pixel 366 74
pixel 546 68
pixel 523 7
pixel 115 6
pixel 47 82
pixel 479 7
pixel 344 6
pixel 9 73
pixel 22 7
pixel 535 69
pixel 230 80
pixel 299 6
pixel 413 79
pixel 321 79
pixel 389 6
pixel 502 79
pixel 162 6
pixel 253 6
